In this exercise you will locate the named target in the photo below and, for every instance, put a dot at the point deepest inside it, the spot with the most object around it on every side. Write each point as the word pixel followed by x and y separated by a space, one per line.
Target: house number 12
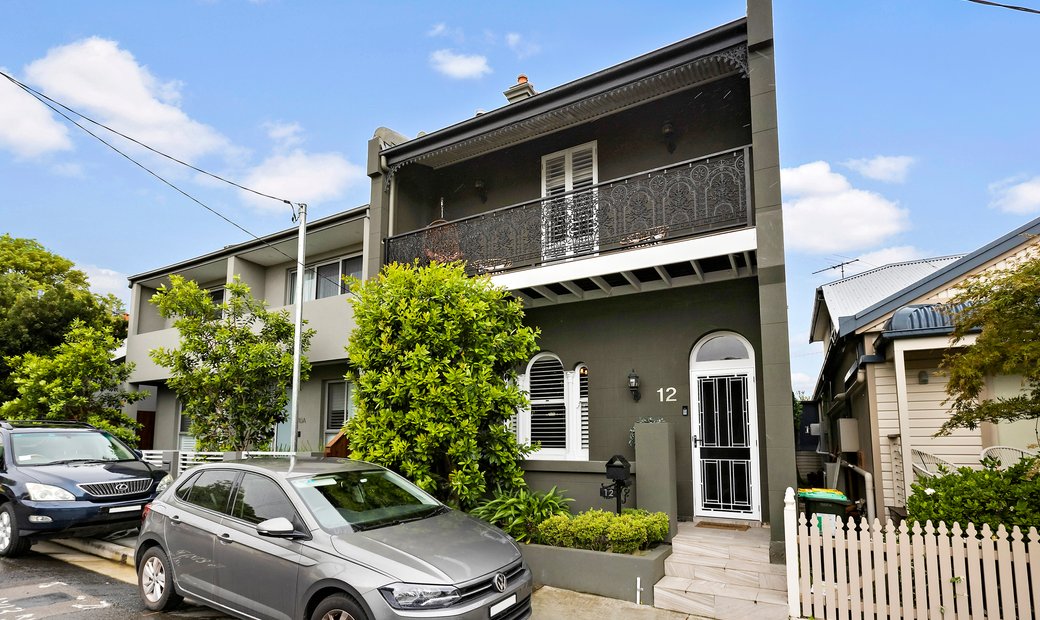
pixel 667 395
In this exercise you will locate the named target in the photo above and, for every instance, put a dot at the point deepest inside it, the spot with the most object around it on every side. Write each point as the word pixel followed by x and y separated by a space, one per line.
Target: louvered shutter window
pixel 583 404
pixel 570 222
pixel 548 409
pixel 335 405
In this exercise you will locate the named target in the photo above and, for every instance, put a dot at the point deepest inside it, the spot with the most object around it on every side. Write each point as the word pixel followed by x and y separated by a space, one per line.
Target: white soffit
pixel 736 242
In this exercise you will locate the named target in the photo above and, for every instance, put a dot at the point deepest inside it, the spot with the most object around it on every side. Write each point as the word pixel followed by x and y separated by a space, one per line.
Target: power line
pixel 1007 6
pixel 41 96
pixel 47 101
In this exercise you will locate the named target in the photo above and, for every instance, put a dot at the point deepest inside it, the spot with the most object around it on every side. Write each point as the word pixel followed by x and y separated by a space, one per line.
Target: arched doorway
pixel 725 432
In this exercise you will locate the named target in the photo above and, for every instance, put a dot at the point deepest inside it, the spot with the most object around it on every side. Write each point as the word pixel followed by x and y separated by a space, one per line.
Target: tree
pixel 1003 306
pixel 433 358
pixel 233 369
pixel 41 295
pixel 78 381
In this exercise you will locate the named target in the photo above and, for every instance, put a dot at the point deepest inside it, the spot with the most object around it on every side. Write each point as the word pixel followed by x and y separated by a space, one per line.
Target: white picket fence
pixel 856 569
pixel 186 460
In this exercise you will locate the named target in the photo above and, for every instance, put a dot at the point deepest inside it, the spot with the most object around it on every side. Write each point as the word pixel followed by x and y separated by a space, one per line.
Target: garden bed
pixel 597 572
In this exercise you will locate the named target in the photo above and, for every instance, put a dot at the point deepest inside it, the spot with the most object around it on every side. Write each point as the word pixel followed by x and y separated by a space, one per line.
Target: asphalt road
pixel 39 586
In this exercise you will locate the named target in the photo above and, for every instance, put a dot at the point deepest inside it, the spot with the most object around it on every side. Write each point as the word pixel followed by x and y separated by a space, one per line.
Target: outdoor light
pixel 668 133
pixel 481 189
pixel 922 377
pixel 633 385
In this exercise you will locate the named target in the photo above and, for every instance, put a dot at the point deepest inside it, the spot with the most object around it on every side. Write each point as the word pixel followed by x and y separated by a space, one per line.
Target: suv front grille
pixel 115 489
pixel 484 586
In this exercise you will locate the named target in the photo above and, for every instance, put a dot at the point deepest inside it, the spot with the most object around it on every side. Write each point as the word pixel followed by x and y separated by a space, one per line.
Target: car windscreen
pixel 362 500
pixel 58 446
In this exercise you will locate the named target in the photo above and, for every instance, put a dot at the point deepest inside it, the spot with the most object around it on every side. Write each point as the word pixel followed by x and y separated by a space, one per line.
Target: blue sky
pixel 908 129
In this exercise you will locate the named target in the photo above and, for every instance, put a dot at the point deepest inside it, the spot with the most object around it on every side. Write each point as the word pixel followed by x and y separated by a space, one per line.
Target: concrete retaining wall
pixel 612 575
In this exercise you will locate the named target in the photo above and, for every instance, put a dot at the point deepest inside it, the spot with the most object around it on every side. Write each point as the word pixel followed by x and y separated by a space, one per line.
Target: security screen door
pixel 725 447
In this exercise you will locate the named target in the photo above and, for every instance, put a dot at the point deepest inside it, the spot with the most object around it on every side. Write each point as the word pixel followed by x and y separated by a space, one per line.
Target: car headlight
pixel 419 596
pixel 47 493
pixel 164 484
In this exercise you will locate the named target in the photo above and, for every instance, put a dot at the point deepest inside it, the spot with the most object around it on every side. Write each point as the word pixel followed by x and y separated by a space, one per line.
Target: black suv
pixel 68 479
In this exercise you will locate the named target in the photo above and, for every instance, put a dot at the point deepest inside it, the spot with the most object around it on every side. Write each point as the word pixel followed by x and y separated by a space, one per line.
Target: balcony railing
pixel 692 198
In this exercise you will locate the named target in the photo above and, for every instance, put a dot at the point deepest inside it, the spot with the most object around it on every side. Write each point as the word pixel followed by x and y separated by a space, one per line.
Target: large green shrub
pixel 988 495
pixel 556 531
pixel 590 529
pixel 520 513
pixel 433 359
pixel 626 533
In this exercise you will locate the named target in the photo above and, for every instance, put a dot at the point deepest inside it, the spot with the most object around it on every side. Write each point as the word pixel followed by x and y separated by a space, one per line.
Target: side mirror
pixel 278 527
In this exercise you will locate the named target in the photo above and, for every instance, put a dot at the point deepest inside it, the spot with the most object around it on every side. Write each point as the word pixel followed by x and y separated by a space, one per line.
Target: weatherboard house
pixel 881 392
pixel 635 212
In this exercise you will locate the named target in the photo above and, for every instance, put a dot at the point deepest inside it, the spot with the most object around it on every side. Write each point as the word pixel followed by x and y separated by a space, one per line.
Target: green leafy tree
pixel 233 369
pixel 78 380
pixel 1003 307
pixel 433 359
pixel 41 295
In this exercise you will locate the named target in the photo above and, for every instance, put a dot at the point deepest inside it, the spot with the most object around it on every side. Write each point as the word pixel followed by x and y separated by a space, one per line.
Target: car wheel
pixel 11 543
pixel 338 607
pixel 155 581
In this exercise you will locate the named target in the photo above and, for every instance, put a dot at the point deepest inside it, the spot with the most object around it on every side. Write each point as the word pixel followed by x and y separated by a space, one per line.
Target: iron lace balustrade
pixel 691 198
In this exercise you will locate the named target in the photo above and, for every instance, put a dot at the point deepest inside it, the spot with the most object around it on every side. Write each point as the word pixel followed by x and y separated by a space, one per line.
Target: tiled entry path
pixel 722 573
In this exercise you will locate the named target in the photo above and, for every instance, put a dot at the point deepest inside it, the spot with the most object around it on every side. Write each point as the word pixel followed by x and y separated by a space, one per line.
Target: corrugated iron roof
pixel 853 294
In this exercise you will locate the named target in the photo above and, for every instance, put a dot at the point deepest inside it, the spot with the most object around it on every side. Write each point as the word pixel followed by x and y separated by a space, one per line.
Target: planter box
pixel 596 572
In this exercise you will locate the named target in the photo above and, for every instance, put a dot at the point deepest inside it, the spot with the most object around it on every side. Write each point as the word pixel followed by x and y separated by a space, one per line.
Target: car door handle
pixel 226 538
pixel 175 519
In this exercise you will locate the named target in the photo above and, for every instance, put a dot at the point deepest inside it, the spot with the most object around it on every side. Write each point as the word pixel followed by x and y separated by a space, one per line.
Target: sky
pixel 908 129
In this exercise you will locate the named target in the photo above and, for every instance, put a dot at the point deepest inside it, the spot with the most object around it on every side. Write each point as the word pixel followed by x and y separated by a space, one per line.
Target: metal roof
pixel 853 294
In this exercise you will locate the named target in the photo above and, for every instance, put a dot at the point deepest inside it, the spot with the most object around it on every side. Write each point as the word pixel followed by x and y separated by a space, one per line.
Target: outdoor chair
pixel 1006 455
pixel 927 465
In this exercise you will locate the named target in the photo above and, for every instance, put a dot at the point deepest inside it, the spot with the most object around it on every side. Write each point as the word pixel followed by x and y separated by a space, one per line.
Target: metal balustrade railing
pixel 695 197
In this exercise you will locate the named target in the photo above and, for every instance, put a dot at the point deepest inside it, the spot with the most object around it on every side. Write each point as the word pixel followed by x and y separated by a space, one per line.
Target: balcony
pixel 692 198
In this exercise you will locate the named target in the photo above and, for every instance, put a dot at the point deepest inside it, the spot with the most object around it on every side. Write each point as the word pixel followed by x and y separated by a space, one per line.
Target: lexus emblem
pixel 500 582
pixel 122 487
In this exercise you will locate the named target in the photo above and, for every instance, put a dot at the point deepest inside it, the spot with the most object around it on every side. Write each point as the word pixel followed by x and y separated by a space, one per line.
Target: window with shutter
pixel 570 222
pixel 338 407
pixel 557 419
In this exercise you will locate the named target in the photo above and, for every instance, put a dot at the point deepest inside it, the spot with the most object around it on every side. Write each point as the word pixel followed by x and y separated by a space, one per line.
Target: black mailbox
pixel 618 468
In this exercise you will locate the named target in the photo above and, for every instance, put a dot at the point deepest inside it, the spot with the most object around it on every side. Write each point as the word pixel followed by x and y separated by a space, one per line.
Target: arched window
pixel 558 417
pixel 722 347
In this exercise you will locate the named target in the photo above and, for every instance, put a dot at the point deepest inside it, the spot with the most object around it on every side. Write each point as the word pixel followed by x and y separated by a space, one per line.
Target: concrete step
pixel 752 551
pixel 721 570
pixel 719 600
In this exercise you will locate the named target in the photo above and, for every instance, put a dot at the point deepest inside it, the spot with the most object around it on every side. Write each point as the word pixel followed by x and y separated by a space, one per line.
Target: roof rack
pixel 12 424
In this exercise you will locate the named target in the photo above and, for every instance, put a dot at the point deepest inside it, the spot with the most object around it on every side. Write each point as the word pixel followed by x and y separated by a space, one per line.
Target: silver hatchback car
pixel 323 540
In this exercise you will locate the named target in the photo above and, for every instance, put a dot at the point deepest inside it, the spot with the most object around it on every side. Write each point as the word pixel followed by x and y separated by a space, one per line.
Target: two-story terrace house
pixel 636 213
pixel 268 265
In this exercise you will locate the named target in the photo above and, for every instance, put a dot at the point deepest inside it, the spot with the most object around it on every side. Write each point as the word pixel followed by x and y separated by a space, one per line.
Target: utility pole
pixel 301 262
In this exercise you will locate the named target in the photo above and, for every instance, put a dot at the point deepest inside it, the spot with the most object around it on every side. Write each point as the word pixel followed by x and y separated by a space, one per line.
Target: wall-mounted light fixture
pixel 633 385
pixel 922 377
pixel 668 133
pixel 481 189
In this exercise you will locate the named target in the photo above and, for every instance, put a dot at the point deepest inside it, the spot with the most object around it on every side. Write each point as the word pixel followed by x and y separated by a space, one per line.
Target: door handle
pixel 176 519
pixel 226 538
pixel 696 441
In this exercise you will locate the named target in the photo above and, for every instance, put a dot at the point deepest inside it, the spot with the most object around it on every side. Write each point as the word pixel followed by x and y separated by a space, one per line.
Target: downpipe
pixel 868 482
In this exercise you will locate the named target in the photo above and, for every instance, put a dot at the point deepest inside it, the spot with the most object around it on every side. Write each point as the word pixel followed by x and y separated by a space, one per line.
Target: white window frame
pixel 576 449
pixel 310 278
pixel 328 433
pixel 183 435
pixel 554 249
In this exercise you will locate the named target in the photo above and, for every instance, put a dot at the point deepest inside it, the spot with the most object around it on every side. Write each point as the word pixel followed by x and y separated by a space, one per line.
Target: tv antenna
pixel 838 266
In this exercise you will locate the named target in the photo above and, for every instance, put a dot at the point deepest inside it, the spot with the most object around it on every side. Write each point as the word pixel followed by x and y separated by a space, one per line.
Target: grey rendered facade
pixel 636 213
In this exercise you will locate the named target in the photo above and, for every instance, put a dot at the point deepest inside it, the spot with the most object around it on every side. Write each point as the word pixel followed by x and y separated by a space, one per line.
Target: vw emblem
pixel 500 582
pixel 122 487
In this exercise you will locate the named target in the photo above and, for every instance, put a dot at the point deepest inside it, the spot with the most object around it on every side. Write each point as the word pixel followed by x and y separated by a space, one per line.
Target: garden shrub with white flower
pixel 988 495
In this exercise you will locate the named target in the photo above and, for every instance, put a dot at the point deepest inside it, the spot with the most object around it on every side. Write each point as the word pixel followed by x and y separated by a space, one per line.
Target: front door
pixel 725 434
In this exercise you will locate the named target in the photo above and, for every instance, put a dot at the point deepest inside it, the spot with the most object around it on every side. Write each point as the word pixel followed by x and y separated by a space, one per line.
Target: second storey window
pixel 570 222
pixel 324 279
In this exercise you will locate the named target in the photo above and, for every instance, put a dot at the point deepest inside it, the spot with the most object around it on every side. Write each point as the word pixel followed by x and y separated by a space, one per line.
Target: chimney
pixel 521 90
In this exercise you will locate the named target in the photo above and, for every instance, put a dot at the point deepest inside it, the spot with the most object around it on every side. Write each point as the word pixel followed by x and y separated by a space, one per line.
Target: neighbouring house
pixel 635 211
pixel 335 247
pixel 880 391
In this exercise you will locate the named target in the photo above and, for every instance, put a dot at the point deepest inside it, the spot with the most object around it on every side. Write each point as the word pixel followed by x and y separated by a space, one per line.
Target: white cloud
pixel 824 213
pixel 68 169
pixel 27 127
pixel 884 256
pixel 803 382
pixel 890 169
pixel 301 177
pixel 521 46
pixel 107 281
pixel 284 134
pixel 98 78
pixel 1014 195
pixel 437 30
pixel 459 66
pixel 442 29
